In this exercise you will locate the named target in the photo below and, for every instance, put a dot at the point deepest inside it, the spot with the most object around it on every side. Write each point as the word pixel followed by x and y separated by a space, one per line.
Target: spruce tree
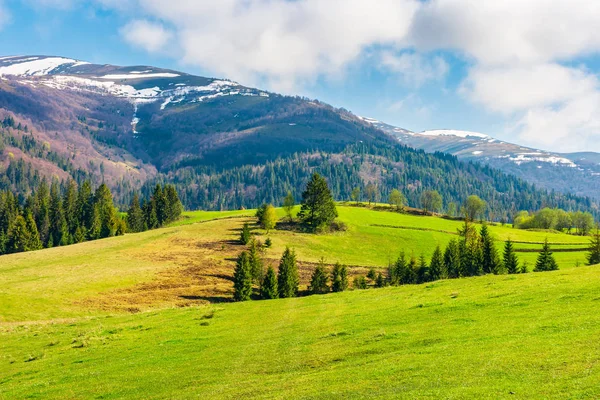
pixel 268 289
pixel 256 263
pixel 85 205
pixel 423 271
pixel 319 280
pixel 490 260
pixel 160 201
pixel 19 237
pixel 242 278
pixel 339 278
pixel 58 225
pixel 380 280
pixel 34 237
pixel 593 256
pixel 546 261
pixel 436 267
pixel 106 210
pixel 452 259
pixel 318 208
pixel 287 276
pixel 245 235
pixel 135 216
pixel 511 261
pixel 174 208
pixel 70 207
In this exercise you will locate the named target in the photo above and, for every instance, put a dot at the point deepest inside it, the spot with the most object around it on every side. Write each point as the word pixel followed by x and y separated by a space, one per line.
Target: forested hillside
pixel 387 166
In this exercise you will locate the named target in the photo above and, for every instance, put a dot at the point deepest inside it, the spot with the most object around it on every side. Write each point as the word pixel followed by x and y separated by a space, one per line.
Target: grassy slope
pixel 533 335
pixel 528 336
pixel 59 282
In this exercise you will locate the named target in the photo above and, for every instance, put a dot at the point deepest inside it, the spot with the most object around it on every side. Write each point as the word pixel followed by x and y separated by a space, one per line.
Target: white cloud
pixel 415 69
pixel 281 43
pixel 518 50
pixel 510 89
pixel 509 31
pixel 150 36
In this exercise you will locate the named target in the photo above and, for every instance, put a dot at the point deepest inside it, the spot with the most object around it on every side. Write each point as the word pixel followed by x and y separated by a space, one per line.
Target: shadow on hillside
pixel 222 276
pixel 210 299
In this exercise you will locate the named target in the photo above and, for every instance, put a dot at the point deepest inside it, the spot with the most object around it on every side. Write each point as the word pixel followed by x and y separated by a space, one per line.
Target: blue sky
pixel 521 71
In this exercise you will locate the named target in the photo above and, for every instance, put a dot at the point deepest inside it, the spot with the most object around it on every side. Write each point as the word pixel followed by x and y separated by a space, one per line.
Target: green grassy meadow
pixel 145 316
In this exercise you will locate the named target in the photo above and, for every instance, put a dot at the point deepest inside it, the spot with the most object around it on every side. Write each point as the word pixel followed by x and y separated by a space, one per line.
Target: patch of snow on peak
pixel 139 75
pixel 478 152
pixel 540 157
pixel 33 66
pixel 452 132
pixel 369 120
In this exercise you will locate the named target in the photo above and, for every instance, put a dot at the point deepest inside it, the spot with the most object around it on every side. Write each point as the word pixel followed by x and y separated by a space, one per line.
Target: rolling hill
pixel 147 316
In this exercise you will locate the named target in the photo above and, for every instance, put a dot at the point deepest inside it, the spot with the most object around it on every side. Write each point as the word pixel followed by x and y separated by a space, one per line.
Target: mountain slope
pixel 577 173
pixel 219 141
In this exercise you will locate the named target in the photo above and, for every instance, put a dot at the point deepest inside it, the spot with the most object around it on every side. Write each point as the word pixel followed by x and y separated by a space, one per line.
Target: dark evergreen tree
pixel 339 278
pixel 423 274
pixel 437 269
pixel 245 235
pixel 70 208
pixel 34 237
pixel 268 289
pixel 287 276
pixel 242 278
pixel 452 259
pixel 318 208
pixel 380 280
pixel 546 261
pixel 319 280
pixel 58 224
pixel 593 256
pixel 256 263
pixel 19 237
pixel 490 260
pixel 135 216
pixel 511 261
pixel 106 211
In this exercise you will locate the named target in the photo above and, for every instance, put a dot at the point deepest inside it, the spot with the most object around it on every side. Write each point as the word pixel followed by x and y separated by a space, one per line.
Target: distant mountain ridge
pixel 577 173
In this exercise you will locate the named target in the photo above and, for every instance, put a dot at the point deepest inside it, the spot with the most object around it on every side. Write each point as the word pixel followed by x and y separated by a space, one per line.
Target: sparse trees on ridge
pixel 397 200
pixel 431 200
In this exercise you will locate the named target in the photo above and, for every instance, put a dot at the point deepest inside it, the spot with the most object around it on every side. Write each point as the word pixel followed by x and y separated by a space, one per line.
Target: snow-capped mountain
pixel 140 84
pixel 136 121
pixel 576 172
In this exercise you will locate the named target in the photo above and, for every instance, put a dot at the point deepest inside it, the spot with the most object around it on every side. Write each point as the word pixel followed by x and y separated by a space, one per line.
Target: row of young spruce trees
pixel 60 215
pixel 473 254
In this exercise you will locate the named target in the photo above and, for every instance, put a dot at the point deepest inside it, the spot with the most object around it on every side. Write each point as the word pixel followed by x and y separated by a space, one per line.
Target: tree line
pixel 60 215
pixel 576 222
